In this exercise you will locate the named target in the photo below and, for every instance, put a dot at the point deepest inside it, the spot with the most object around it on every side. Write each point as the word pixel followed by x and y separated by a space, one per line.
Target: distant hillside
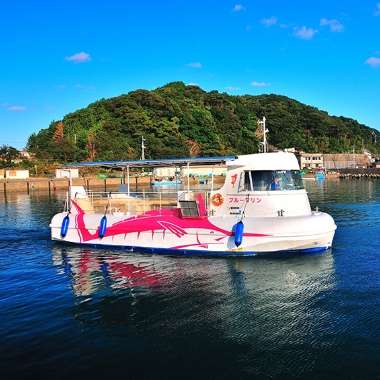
pixel 185 121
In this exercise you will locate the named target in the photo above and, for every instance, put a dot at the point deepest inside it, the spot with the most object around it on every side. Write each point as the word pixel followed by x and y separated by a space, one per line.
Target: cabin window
pixel 288 179
pixel 263 180
pixel 245 181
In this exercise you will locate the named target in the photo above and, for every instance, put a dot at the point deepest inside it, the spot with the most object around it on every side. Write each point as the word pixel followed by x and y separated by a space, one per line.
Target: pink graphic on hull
pixel 160 222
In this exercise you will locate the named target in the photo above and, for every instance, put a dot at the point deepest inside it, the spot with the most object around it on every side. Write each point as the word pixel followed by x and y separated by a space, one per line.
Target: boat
pixel 243 217
pixel 319 176
pixel 163 182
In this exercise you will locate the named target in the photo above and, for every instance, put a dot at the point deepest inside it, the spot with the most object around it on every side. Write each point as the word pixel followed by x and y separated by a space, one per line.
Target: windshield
pixel 266 180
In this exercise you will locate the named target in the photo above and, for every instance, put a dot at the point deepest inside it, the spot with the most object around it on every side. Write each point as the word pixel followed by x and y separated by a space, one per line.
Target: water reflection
pixel 255 307
pixel 96 272
pixel 279 297
pixel 252 287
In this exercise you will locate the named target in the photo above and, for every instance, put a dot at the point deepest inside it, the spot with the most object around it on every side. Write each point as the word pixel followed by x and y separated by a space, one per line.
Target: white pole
pixel 142 148
pixel 265 134
pixel 188 177
pixel 128 179
pixel 212 178
pixel 129 201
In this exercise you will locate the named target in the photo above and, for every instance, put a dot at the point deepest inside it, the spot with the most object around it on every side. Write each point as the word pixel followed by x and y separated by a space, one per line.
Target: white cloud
pixel 335 25
pixel 89 88
pixel 238 8
pixel 79 57
pixel 373 62
pixel 259 84
pixel 196 65
pixel 305 33
pixel 192 84
pixel 49 109
pixel 17 108
pixel 230 88
pixel 268 21
pixel 377 12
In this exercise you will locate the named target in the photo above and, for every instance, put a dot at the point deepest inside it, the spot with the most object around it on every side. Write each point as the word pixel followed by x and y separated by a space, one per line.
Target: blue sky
pixel 60 56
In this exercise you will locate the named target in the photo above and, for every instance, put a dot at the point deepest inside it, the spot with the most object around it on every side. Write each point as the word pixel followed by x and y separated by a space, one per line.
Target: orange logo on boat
pixel 217 199
pixel 233 180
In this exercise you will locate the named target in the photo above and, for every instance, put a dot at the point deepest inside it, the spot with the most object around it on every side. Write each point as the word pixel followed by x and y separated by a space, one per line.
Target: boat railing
pixel 66 206
pixel 120 203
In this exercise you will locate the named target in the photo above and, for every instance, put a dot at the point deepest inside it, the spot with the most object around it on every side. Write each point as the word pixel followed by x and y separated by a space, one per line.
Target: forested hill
pixel 185 121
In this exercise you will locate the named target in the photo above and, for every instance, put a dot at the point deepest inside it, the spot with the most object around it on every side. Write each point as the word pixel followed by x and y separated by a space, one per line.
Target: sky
pixel 60 56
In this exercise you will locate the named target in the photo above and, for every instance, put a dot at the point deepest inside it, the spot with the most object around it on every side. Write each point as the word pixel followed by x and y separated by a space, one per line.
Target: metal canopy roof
pixel 155 163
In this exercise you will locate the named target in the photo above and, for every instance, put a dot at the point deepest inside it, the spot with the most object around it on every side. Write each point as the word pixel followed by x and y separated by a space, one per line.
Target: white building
pixel 65 173
pixel 311 160
pixel 17 174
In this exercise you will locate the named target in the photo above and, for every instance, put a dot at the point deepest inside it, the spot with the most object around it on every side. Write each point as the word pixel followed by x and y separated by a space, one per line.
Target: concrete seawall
pixel 107 184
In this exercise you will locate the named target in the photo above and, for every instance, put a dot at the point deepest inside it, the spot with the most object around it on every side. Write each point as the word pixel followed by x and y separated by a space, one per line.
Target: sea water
pixel 73 312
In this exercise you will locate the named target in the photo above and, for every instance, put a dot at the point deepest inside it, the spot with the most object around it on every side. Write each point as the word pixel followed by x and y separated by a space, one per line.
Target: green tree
pixel 179 120
pixel 7 156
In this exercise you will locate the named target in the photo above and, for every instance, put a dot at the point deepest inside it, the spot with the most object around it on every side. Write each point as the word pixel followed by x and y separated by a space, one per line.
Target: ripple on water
pixel 68 310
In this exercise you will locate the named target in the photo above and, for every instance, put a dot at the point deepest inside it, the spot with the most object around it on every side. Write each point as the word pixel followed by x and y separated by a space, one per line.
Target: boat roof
pixel 155 163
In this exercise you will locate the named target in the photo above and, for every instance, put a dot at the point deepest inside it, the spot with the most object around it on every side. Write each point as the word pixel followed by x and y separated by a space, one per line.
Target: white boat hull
pixel 215 235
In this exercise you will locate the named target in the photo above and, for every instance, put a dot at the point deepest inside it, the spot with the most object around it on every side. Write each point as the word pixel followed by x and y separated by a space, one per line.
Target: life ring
pixel 217 199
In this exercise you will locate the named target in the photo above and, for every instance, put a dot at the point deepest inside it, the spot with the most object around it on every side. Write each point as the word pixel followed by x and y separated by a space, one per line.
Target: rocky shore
pixel 356 173
pixel 360 176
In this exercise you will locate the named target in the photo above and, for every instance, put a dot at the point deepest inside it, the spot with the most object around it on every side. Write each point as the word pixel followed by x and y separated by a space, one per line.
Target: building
pixel 346 161
pixel 66 173
pixel 311 160
pixel 17 174
pixel 334 161
pixel 26 155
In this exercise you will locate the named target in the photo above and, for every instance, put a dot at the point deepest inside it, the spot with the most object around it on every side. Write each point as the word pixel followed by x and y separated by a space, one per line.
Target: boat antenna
pixel 265 131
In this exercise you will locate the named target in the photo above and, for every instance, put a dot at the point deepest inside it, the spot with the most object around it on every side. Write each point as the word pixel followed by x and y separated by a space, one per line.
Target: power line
pixel 13 142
